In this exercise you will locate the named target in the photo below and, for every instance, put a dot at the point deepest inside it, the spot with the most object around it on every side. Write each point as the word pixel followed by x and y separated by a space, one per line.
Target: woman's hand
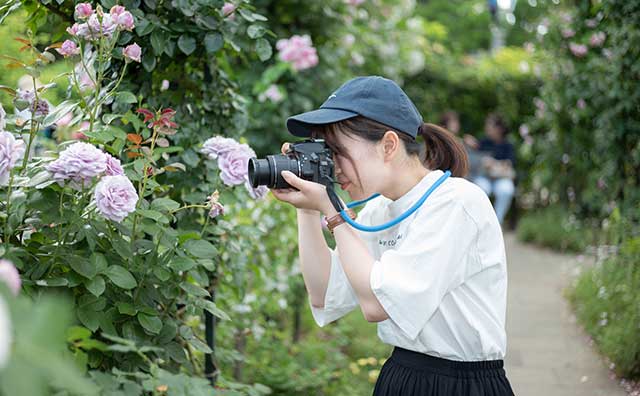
pixel 309 195
pixel 471 141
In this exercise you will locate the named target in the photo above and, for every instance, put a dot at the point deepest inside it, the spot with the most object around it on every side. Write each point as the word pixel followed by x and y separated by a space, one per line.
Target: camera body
pixel 310 159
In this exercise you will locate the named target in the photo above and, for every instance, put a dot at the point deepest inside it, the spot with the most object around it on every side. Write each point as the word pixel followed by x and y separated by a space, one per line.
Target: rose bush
pixel 95 221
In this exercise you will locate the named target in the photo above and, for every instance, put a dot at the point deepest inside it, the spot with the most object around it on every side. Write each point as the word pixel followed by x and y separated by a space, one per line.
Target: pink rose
pixel 228 9
pixel 578 50
pixel 83 11
pixel 68 48
pixel 116 10
pixel 568 33
pixel 125 20
pixel 272 93
pixel 73 30
pixel 597 39
pixel 132 53
pixel 299 51
pixel 581 104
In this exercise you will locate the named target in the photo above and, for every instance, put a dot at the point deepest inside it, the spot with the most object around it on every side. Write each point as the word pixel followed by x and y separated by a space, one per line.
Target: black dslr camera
pixel 310 160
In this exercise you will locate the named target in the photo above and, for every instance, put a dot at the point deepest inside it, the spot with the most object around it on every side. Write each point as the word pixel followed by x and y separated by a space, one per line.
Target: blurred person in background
pixel 450 120
pixel 497 163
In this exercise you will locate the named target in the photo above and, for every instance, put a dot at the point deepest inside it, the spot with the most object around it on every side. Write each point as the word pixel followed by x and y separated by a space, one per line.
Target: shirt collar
pixel 401 204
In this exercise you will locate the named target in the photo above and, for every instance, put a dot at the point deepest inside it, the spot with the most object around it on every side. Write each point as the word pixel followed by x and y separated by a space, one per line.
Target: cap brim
pixel 299 125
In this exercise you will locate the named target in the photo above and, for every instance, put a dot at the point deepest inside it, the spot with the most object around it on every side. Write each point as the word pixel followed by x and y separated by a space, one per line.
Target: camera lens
pixel 268 172
pixel 259 172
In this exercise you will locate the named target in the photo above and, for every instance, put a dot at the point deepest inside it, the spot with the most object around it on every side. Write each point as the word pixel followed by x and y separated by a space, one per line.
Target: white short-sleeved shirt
pixel 441 274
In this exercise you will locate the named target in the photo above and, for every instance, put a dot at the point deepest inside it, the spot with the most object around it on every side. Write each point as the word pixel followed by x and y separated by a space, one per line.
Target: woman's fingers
pixel 285 147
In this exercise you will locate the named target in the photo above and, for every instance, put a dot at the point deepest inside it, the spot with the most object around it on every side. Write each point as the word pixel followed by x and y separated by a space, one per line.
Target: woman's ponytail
pixel 443 150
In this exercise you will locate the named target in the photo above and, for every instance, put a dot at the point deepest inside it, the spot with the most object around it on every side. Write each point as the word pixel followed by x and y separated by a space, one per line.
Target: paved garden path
pixel 547 353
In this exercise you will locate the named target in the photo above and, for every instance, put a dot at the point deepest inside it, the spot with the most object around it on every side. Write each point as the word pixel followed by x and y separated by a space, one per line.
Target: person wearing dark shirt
pixel 498 163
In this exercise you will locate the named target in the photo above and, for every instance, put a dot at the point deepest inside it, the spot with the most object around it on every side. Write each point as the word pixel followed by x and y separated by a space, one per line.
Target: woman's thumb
pixel 292 179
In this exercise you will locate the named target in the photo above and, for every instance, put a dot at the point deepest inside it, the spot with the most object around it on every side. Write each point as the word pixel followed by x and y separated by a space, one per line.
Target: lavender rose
pixel 218 146
pixel 113 166
pixel 234 165
pixel 79 163
pixel 10 276
pixel 11 150
pixel 257 192
pixel 115 197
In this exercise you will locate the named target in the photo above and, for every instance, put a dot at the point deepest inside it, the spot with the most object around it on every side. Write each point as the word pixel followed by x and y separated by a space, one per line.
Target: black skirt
pixel 409 373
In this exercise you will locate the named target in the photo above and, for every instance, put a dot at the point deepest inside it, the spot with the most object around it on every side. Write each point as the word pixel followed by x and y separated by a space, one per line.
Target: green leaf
pixel 213 42
pixel 213 309
pixel 149 61
pixel 199 345
pixel 182 263
pixel 263 48
pixel 88 317
pixel 251 16
pixel 209 22
pixel 187 44
pixel 99 261
pixel 83 267
pixel 96 286
pixel 108 118
pixel 158 40
pixel 144 26
pixel 75 333
pixel 200 248
pixel 152 324
pixel 194 290
pixel 256 31
pixel 126 97
pixel 121 277
pixel 164 204
pixel 153 215
pixel 126 308
pixel 61 110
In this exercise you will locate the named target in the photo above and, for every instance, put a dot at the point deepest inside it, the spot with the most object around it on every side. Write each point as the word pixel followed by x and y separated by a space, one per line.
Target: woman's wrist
pixel 308 212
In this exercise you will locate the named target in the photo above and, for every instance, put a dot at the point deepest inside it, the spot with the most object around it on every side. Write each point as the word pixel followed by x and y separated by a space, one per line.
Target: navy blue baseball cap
pixel 373 97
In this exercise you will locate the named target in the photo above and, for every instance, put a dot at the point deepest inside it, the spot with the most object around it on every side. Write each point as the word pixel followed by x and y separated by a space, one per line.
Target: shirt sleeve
pixel 435 258
pixel 340 298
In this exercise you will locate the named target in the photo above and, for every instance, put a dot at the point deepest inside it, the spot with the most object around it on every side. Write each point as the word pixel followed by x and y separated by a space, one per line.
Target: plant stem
pixel 6 223
pixel 33 125
pixel 143 184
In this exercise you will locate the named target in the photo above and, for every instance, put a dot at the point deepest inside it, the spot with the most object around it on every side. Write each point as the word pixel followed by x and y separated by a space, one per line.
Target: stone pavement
pixel 547 353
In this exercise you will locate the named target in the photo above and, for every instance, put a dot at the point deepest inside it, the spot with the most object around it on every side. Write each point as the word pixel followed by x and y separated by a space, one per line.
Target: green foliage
pixel 554 227
pixel 586 150
pixel 40 362
pixel 606 299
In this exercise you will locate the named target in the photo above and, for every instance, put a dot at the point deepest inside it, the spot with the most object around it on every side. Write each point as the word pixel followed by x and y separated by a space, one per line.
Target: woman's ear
pixel 390 145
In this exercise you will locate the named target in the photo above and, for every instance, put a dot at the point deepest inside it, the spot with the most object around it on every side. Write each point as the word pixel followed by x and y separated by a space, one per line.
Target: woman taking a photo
pixel 435 283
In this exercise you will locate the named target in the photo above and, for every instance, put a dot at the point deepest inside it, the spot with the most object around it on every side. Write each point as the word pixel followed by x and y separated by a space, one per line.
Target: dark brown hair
pixel 499 122
pixel 441 149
